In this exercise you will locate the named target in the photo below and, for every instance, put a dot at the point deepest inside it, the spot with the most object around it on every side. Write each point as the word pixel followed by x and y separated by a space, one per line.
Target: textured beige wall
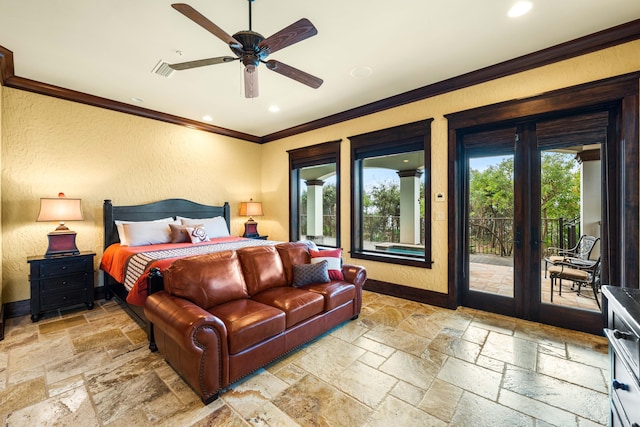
pixel 51 146
pixel 599 65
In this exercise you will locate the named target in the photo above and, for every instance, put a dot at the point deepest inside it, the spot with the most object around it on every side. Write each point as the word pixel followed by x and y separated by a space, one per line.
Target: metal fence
pixel 495 236
pixel 377 228
pixel 492 236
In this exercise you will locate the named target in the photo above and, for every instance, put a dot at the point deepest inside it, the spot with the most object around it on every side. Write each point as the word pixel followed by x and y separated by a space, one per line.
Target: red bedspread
pixel 130 265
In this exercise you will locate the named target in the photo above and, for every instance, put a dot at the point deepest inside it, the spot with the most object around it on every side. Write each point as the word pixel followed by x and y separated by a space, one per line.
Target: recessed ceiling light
pixel 138 100
pixel 361 72
pixel 207 118
pixel 520 9
pixel 274 108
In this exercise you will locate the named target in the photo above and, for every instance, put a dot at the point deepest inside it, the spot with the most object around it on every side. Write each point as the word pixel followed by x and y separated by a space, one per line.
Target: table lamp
pixel 62 241
pixel 251 209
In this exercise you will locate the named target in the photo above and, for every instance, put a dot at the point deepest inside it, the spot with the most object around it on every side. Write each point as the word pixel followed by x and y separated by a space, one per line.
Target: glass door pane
pixel 491 225
pixel 571 207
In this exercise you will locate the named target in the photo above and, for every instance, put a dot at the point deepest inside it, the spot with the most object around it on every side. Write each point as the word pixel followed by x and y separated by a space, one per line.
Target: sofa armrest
pixel 357 275
pixel 192 340
pixel 180 318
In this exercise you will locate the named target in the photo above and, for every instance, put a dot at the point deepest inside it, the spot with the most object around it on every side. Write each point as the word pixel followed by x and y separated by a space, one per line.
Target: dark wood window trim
pixel 619 93
pixel 404 138
pixel 314 155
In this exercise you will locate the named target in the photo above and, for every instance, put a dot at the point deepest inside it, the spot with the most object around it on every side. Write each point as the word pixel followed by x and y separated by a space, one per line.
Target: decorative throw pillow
pixel 197 234
pixel 179 234
pixel 333 257
pixel 306 274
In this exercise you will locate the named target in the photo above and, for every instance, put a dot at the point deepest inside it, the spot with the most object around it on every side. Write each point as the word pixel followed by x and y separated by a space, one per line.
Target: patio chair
pixel 580 272
pixel 582 250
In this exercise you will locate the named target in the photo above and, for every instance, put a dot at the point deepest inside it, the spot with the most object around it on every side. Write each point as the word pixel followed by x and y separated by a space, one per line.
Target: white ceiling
pixel 109 49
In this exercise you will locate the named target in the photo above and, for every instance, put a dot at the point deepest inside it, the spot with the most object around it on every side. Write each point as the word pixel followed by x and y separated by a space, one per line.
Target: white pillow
pixel 215 227
pixel 123 237
pixel 147 233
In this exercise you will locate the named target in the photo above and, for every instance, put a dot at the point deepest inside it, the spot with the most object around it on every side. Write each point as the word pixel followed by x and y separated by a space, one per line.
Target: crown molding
pixel 601 40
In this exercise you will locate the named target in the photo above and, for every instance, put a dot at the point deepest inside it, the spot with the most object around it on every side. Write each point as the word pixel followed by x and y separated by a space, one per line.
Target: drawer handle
pixel 64 267
pixel 617 385
pixel 619 335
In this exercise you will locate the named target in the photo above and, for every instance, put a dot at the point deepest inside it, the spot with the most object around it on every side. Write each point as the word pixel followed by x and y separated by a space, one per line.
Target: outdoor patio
pixel 498 279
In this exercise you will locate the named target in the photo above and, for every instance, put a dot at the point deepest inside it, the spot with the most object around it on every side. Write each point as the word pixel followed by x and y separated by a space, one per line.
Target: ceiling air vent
pixel 162 69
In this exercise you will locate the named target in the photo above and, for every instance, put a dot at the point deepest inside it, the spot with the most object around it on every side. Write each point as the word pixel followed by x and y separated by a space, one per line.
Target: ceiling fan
pixel 252 48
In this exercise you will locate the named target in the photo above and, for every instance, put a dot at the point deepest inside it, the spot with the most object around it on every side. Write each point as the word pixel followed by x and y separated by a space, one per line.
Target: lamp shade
pixel 251 208
pixel 60 209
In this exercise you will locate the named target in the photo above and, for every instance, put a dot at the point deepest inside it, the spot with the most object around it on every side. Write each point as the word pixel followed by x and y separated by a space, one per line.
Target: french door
pixel 529 187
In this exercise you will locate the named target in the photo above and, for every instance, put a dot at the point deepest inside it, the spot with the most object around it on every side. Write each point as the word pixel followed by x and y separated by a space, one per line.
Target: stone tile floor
pixel 401 363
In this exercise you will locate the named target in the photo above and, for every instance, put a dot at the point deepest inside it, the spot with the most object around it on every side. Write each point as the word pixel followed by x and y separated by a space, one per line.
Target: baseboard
pixel 407 292
pixel 22 308
pixel 17 308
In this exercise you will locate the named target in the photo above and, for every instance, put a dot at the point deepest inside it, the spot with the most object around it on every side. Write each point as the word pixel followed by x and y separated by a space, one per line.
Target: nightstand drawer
pixel 63 283
pixel 64 267
pixel 62 299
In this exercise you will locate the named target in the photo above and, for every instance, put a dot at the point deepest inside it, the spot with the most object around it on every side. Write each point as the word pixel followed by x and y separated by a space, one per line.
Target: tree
pixel 491 193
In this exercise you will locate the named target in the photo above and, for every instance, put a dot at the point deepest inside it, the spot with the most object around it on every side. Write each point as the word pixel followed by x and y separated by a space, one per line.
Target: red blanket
pixel 130 265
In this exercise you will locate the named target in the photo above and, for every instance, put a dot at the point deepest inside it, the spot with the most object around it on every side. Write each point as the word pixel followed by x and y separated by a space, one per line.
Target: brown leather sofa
pixel 224 315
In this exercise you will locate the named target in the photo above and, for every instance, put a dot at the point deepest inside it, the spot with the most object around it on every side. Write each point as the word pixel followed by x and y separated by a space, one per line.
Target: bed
pixel 125 268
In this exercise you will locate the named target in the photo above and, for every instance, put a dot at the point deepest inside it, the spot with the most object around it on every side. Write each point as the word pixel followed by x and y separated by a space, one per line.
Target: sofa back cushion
pixel 207 280
pixel 262 268
pixel 293 253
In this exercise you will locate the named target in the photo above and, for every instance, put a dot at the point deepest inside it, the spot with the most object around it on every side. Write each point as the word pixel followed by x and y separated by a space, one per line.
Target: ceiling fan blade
pixel 294 33
pixel 294 73
pixel 199 19
pixel 201 63
pixel 251 82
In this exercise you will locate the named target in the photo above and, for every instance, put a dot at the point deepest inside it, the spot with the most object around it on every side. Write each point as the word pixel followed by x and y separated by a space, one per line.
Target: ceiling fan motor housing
pixel 250 53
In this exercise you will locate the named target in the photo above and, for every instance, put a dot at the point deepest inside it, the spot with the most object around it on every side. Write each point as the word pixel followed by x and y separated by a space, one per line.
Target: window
pixel 314 201
pixel 391 188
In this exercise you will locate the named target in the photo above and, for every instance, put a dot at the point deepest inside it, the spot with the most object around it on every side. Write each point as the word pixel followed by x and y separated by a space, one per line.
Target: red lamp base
pixel 61 244
pixel 251 229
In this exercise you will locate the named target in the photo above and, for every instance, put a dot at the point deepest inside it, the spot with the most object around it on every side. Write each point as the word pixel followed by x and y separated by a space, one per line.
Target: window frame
pixel 313 155
pixel 404 138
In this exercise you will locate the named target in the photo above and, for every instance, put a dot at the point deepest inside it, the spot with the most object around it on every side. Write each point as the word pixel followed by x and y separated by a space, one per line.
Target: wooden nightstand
pixel 60 282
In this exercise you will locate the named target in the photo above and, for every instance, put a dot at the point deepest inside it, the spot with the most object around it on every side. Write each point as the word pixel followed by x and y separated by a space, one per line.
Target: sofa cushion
pixel 207 280
pixel 262 268
pixel 249 322
pixel 335 293
pixel 298 305
pixel 293 253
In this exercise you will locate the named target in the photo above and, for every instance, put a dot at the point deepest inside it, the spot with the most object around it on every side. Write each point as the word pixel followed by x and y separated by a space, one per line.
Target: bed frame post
pixel 155 283
pixel 107 216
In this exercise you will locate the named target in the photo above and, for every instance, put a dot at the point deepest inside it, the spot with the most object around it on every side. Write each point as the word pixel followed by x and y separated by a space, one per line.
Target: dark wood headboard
pixel 157 210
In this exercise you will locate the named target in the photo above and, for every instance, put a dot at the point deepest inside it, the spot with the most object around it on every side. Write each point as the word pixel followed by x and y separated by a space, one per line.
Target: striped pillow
pixel 333 257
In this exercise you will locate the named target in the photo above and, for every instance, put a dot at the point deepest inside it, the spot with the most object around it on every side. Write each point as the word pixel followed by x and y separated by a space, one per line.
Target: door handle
pixel 535 243
pixel 518 239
